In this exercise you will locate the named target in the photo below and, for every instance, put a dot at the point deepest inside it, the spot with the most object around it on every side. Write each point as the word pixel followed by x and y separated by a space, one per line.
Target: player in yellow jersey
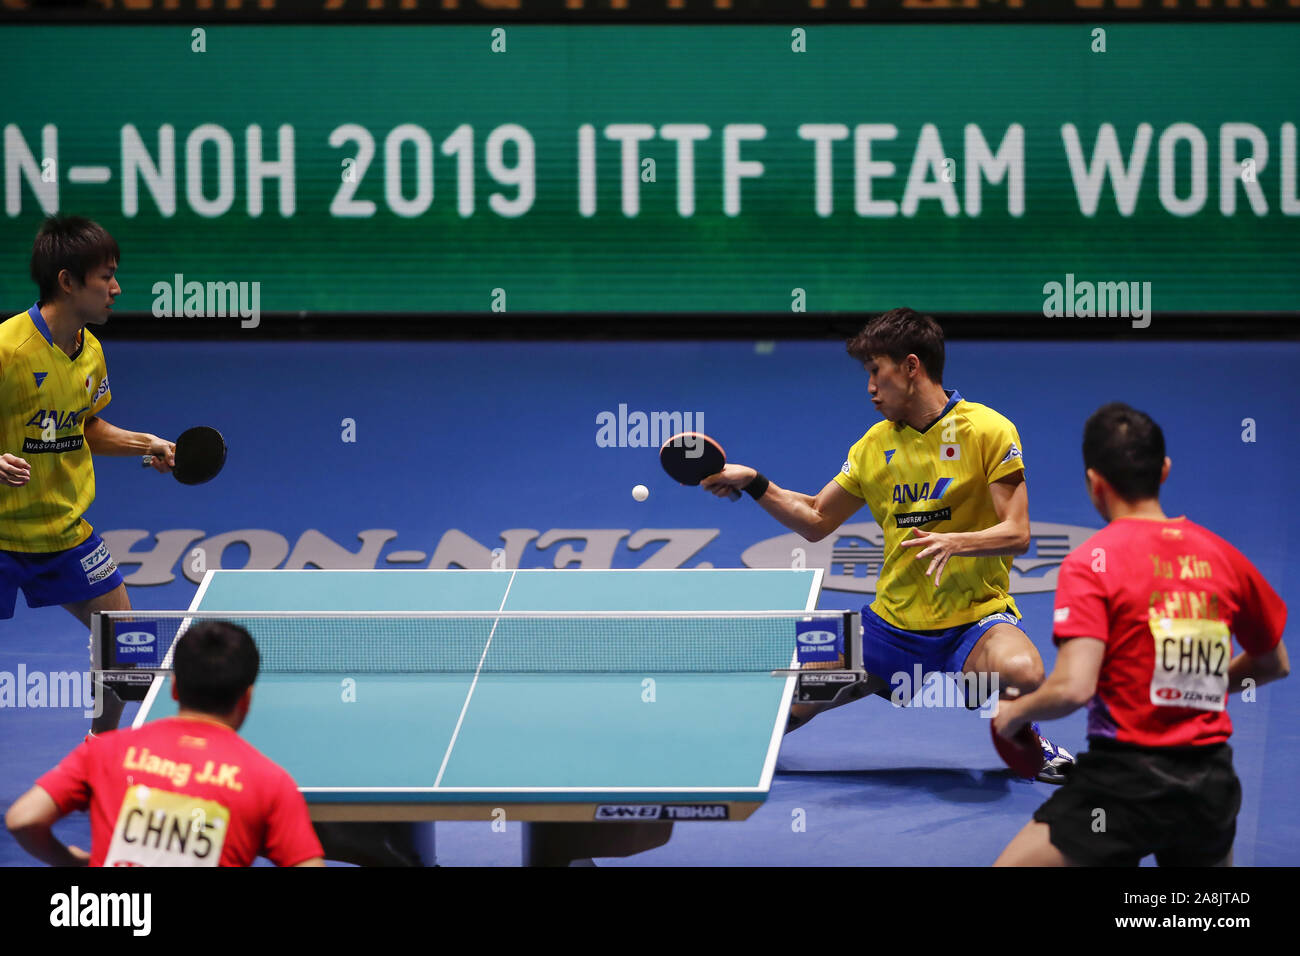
pixel 944 478
pixel 53 388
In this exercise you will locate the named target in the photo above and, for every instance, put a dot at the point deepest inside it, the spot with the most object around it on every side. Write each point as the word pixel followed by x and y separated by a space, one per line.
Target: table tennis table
pixel 539 748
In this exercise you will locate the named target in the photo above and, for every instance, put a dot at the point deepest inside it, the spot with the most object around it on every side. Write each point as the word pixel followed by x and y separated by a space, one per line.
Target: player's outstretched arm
pixel 1072 683
pixel 31 820
pixel 14 471
pixel 813 518
pixel 1010 536
pixel 105 439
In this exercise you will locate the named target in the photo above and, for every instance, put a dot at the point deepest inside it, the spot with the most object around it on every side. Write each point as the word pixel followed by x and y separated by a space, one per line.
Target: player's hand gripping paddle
pixel 691 457
pixel 200 455
pixel 1022 753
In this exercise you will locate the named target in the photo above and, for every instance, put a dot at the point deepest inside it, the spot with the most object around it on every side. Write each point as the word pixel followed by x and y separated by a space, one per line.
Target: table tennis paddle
pixel 200 455
pixel 690 457
pixel 1022 753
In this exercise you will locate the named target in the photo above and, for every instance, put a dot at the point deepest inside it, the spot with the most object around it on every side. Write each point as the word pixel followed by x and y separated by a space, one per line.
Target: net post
pixel 853 641
pixel 96 639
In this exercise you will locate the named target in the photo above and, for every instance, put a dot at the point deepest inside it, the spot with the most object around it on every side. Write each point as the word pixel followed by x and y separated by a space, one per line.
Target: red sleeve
pixel 1261 614
pixel 290 837
pixel 1081 608
pixel 69 783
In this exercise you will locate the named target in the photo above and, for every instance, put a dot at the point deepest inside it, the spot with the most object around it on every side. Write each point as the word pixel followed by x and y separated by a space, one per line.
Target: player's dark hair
pixel 73 243
pixel 899 333
pixel 214 663
pixel 1126 448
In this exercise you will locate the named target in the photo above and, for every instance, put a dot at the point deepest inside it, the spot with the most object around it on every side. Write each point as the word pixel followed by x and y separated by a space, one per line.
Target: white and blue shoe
pixel 1057 761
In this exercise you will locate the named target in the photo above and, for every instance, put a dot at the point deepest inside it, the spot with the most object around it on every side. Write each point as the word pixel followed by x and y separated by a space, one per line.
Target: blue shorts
pixel 57 577
pixel 889 650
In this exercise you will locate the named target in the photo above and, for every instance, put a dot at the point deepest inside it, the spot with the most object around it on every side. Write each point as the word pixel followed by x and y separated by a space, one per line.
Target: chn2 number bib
pixel 1191 663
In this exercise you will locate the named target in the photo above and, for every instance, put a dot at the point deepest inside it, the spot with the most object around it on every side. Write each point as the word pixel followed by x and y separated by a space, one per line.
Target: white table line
pixel 474 683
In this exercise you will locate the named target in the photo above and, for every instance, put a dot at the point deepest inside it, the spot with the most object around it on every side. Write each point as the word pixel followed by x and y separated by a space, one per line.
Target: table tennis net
pixel 482 642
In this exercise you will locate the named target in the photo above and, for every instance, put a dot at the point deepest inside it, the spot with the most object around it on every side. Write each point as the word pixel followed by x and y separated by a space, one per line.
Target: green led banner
pixel 499 12
pixel 664 169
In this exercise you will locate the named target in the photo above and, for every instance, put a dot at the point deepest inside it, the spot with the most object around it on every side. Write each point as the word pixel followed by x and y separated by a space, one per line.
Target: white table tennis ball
pixel 640 492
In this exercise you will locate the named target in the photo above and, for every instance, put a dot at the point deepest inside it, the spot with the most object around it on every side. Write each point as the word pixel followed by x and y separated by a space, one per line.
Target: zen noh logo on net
pixel 139 645
pixel 817 641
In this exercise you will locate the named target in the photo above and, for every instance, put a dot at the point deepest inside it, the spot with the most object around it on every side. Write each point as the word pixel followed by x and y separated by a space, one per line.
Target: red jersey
pixel 1165 596
pixel 183 792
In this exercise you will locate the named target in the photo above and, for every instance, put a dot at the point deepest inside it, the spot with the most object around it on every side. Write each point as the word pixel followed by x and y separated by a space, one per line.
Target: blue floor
pixel 877 786
pixel 871 785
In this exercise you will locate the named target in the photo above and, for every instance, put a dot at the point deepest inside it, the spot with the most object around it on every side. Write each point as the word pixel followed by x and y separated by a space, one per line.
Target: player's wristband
pixel 758 487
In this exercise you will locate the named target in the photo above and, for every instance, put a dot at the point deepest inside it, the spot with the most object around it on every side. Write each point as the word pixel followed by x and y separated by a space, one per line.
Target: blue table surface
pixel 533 737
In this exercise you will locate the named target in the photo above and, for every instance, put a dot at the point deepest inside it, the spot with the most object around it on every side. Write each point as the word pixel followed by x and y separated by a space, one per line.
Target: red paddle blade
pixel 691 457
pixel 1022 753
pixel 200 455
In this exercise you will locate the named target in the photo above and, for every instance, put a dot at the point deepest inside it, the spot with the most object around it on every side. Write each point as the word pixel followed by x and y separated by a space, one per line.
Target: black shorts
pixel 1122 802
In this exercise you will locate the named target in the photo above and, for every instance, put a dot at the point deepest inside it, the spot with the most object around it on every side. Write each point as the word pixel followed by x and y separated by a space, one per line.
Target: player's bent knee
pixel 1024 672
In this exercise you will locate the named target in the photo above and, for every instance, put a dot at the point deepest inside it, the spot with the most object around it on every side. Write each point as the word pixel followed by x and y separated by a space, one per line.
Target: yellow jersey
pixel 936 479
pixel 45 398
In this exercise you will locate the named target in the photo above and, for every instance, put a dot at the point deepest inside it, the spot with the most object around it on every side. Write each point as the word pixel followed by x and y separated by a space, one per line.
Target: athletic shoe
pixel 1057 761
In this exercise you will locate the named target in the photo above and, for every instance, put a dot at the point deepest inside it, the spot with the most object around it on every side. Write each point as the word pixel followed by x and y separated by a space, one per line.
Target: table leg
pixel 563 844
pixel 378 844
pixel 107 709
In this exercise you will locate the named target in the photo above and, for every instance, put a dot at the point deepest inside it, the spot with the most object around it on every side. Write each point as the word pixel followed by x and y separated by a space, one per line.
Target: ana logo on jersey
pixel 62 419
pixel 904 493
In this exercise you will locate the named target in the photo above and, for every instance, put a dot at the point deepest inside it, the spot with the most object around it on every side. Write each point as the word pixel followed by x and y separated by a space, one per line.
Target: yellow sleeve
pixel 1001 449
pixel 99 401
pixel 850 474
